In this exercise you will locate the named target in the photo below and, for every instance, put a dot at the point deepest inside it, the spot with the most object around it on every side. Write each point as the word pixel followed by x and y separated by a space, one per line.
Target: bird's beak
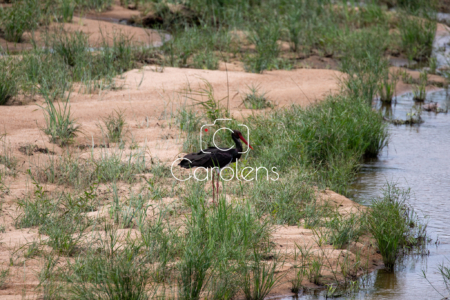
pixel 245 142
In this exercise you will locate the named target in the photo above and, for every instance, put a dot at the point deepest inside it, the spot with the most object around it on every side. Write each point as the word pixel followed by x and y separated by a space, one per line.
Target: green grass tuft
pixel 256 100
pixel 8 80
pixel 72 47
pixel 264 36
pixel 330 137
pixel 114 126
pixel 394 224
pixel 345 229
pixel 417 36
pixel 60 125
pixel 18 19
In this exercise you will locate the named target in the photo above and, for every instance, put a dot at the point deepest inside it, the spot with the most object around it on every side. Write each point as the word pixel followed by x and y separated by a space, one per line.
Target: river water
pixel 417 157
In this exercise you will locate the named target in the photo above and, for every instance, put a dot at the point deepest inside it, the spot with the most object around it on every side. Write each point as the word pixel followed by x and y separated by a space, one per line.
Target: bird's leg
pixel 213 185
pixel 218 178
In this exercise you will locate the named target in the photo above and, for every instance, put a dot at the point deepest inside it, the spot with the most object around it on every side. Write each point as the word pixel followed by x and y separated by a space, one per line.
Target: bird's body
pixel 214 157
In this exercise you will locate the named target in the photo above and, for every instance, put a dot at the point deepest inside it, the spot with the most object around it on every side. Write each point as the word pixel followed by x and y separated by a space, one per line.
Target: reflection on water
pixel 406 283
pixel 417 157
pixel 441 50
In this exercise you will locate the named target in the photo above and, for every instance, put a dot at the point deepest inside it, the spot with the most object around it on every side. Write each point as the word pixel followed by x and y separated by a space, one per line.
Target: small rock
pixel 430 106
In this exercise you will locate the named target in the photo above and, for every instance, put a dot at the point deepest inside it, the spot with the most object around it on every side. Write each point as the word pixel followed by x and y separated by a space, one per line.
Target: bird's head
pixel 237 134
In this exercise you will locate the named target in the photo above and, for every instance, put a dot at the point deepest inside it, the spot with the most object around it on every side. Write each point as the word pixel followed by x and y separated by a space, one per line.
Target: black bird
pixel 216 157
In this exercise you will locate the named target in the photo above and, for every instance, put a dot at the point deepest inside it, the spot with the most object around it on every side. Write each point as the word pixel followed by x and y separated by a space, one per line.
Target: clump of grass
pixel 284 201
pixel 8 80
pixel 433 65
pixel 64 232
pixel 4 273
pixel 81 203
pixel 420 90
pixel 205 60
pixel 98 5
pixel 110 166
pixel 211 105
pixel 423 8
pixel 126 213
pixel 60 125
pixel 161 170
pixel 74 51
pixel 387 88
pixel 388 227
pixel 109 271
pixel 345 229
pixel 259 278
pixel 180 48
pixel 32 250
pixel 392 224
pixel 417 37
pixel 43 72
pixel 70 46
pixel 2 184
pixel 364 63
pixel 115 59
pixel 195 46
pixel 314 270
pixel 406 77
pixel 218 246
pixel 373 14
pixel 295 26
pixel 256 100
pixel 6 156
pixel 330 137
pixel 66 170
pixel 18 19
pixel 53 71
pixel 188 120
pixel 36 211
pixel 114 126
pixel 161 243
pixel 300 267
pixel 196 262
pixel 67 8
pixel 264 36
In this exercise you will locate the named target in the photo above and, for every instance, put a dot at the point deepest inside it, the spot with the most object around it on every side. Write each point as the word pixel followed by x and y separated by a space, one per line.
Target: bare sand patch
pixel 148 98
pixel 97 31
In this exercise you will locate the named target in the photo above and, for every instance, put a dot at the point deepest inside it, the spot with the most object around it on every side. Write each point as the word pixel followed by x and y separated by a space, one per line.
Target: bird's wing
pixel 216 158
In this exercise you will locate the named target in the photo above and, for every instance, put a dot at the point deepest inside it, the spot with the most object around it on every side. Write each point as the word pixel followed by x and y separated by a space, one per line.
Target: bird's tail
pixel 185 163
